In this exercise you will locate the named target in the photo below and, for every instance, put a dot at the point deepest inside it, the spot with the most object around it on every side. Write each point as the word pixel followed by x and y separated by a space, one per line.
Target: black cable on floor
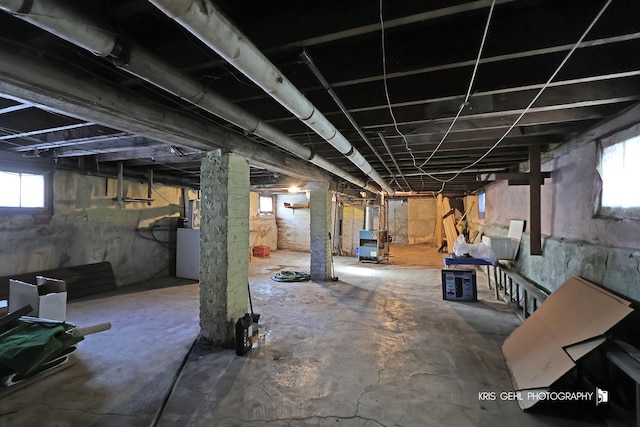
pixel 291 276
pixel 167 395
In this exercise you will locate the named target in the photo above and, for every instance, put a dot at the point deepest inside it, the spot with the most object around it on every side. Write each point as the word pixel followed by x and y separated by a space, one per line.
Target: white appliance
pixel 188 253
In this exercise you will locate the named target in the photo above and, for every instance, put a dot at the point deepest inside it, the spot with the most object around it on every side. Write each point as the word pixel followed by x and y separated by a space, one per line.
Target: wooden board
pixel 448 222
pixel 82 280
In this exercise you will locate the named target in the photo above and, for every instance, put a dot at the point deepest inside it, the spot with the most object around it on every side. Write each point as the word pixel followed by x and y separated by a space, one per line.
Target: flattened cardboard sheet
pixel 567 326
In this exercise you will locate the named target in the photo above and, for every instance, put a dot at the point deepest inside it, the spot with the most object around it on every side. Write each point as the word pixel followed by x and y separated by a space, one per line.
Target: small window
pixel 22 190
pixel 265 205
pixel 481 205
pixel 25 191
pixel 619 196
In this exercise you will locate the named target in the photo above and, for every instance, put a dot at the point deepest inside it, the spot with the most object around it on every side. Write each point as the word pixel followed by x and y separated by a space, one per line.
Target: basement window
pixel 265 205
pixel 619 197
pixel 23 192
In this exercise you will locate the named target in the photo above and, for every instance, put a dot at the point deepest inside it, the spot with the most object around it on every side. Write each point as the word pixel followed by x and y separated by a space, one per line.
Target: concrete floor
pixel 379 347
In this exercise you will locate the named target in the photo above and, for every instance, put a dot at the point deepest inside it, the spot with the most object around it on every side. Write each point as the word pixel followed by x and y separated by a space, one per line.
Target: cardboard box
pixel 506 247
pixel 459 285
pixel 570 324
pixel 47 298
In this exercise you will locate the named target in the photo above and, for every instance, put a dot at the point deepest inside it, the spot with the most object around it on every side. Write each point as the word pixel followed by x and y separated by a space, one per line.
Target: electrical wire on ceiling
pixel 462 106
pixel 515 123
pixel 473 77
pixel 386 88
pixel 155 163
pixel 185 171
pixel 535 98
pixel 153 187
pixel 208 53
pixel 232 74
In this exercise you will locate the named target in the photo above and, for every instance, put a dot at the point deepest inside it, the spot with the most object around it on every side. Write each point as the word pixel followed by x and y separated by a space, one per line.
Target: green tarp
pixel 28 345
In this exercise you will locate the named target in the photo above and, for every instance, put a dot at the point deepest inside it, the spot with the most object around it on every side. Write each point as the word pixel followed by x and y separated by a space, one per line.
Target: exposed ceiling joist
pixel 430 50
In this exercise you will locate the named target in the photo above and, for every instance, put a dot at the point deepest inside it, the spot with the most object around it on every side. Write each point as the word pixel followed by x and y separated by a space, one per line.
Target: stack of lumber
pixel 448 221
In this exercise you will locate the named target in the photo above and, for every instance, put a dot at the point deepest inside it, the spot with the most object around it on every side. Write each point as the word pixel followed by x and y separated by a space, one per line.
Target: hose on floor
pixel 291 276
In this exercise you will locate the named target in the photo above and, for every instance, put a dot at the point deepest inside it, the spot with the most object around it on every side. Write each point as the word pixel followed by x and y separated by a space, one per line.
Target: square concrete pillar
pixel 320 207
pixel 224 245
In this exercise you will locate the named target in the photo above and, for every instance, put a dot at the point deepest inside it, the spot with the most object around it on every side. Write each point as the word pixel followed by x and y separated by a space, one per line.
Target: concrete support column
pixel 320 206
pixel 224 245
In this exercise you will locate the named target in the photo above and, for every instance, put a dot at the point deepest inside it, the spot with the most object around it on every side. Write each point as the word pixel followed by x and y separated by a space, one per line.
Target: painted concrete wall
pixel 87 226
pixel 293 225
pixel 397 219
pixel 352 223
pixel 421 219
pixel 262 227
pixel 575 242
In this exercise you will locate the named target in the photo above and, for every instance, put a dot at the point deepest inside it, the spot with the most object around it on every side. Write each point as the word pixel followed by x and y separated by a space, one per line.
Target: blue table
pixel 454 261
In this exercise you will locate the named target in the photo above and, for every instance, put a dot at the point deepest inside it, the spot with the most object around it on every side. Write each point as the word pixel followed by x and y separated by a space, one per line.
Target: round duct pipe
pixel 206 22
pixel 64 22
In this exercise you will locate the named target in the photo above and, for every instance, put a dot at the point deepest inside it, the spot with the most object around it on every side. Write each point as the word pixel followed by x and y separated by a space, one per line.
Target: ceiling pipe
pixel 78 29
pixel 59 19
pixel 203 20
pixel 148 67
pixel 306 59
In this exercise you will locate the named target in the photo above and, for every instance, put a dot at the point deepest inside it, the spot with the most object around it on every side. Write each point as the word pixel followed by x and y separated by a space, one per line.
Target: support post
pixel 224 239
pixel 382 216
pixel 120 195
pixel 439 226
pixel 150 187
pixel 535 181
pixel 320 224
